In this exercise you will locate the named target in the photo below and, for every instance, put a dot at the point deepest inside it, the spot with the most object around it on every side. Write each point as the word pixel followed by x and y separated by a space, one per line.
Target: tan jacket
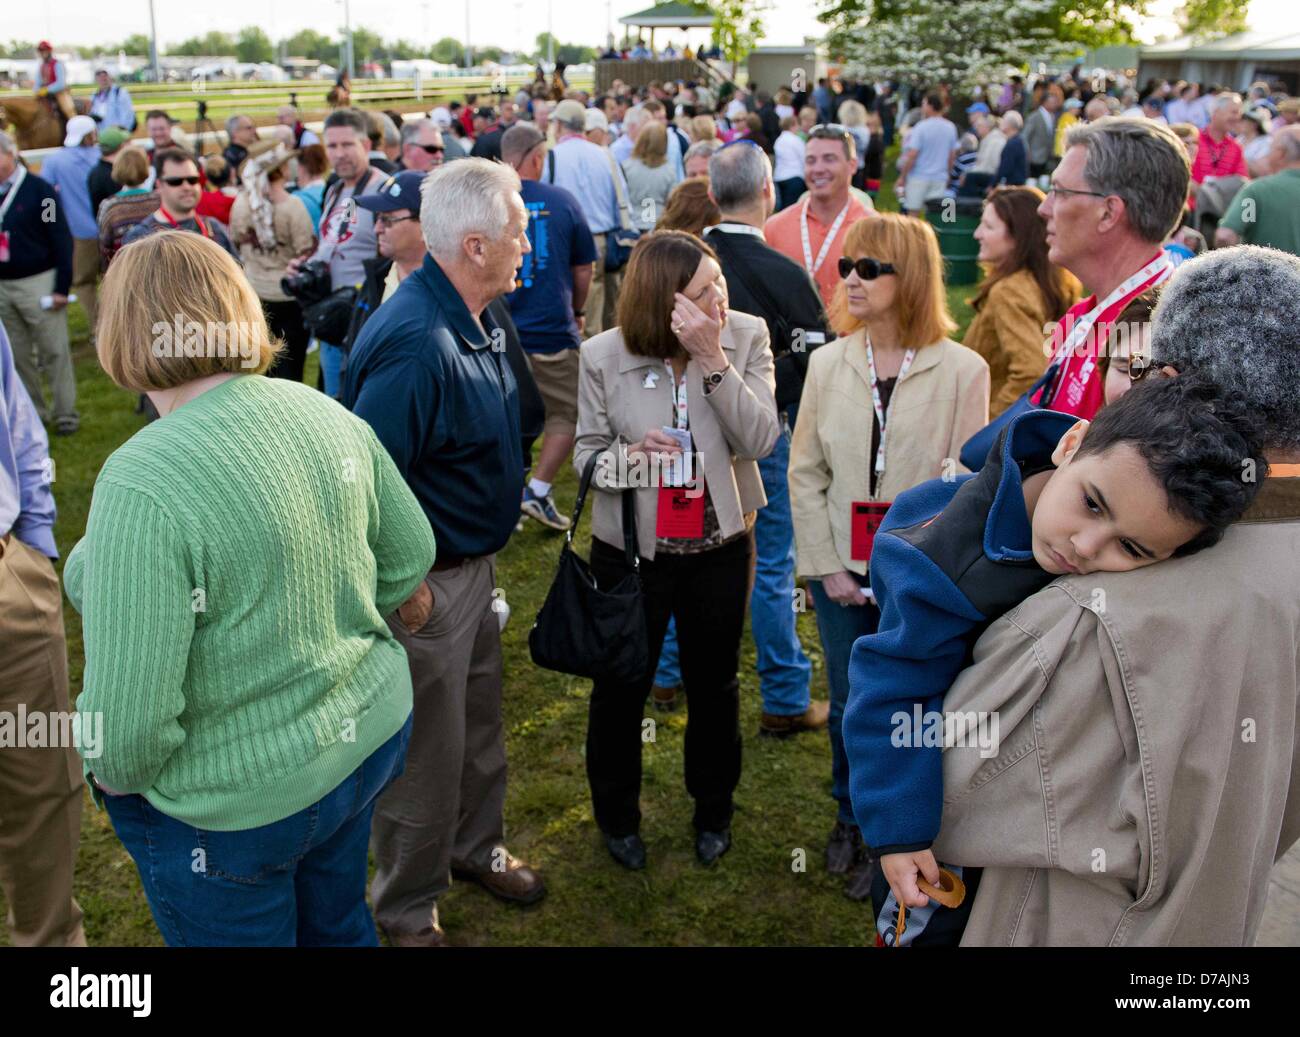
pixel 1009 331
pixel 941 403
pixel 1148 773
pixel 732 427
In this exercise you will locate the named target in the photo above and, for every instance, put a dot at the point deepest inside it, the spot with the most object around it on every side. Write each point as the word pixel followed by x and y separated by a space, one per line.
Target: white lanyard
pixel 811 266
pixel 681 417
pixel 882 414
pixel 1154 272
pixel 13 193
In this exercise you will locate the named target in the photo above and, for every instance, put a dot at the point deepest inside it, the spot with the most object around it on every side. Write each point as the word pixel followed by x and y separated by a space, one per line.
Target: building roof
pixel 1257 43
pixel 672 15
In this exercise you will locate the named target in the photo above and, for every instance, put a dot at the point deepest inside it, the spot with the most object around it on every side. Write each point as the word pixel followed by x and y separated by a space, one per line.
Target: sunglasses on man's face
pixel 431 149
pixel 176 181
pixel 867 269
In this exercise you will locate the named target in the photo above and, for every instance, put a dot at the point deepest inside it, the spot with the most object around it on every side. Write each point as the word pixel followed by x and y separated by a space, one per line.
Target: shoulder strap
pixel 550 166
pixel 624 206
pixel 630 549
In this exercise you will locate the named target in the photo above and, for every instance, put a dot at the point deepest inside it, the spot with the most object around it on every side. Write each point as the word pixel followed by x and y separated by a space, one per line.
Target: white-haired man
pixel 429 373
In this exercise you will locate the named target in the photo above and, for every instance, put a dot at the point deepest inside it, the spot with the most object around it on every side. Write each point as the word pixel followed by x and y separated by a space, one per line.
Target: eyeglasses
pixel 176 181
pixel 867 269
pixel 388 221
pixel 431 149
pixel 1140 366
pixel 1071 190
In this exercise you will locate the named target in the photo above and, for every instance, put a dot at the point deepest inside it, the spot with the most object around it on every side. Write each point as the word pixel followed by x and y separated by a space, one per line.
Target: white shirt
pixel 789 150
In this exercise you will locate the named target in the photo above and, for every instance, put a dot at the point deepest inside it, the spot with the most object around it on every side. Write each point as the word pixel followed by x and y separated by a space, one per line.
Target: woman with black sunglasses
pixel 884 407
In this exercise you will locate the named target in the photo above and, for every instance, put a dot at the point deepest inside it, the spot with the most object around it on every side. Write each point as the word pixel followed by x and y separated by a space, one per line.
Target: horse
pixel 35 125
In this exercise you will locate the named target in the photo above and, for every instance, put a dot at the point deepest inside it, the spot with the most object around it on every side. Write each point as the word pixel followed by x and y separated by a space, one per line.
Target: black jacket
pixel 101 185
pixel 35 245
pixel 761 281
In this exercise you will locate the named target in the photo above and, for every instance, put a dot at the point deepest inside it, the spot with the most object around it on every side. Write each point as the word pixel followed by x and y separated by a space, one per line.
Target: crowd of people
pixel 693 300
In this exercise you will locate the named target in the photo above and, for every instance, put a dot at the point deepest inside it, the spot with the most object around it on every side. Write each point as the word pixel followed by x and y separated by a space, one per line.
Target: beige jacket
pixel 1148 773
pixel 732 427
pixel 941 403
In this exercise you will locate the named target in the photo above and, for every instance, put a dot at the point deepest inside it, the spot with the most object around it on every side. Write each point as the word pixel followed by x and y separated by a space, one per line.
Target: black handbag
pixel 586 630
pixel 330 318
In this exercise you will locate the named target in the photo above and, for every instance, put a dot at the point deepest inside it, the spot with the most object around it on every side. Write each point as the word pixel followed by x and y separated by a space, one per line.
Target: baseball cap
pixel 44 45
pixel 571 113
pixel 1072 103
pixel 78 127
pixel 112 139
pixel 399 191
pixel 596 119
pixel 484 113
pixel 441 118
pixel 979 107
pixel 736 110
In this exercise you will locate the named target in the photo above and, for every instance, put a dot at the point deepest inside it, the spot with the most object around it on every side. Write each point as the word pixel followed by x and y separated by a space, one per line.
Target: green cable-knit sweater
pixel 239 559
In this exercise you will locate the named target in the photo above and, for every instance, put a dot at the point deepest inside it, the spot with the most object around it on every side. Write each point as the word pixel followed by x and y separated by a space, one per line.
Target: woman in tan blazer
pixel 932 394
pixel 679 368
pixel 1023 295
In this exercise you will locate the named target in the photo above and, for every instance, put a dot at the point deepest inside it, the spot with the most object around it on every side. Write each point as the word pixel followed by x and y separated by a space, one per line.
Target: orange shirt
pixel 783 234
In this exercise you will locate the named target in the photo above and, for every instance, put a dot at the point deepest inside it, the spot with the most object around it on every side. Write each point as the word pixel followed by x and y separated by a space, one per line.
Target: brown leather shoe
pixel 812 719
pixel 664 699
pixel 516 883
pixel 432 936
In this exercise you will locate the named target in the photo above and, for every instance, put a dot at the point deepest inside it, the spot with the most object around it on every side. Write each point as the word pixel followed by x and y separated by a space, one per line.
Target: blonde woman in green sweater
pixel 239 560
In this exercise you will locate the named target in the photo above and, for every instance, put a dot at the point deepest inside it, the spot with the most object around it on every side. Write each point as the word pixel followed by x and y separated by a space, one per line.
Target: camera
pixel 310 284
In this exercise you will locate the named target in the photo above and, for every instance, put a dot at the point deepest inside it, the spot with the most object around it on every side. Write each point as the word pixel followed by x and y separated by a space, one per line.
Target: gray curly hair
pixel 1231 315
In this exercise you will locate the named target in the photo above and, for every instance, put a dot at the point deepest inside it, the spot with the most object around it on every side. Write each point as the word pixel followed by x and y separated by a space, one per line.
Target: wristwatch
pixel 714 378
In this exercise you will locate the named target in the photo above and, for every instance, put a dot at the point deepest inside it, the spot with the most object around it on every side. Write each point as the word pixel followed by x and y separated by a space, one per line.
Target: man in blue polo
pixel 547 306
pixel 430 375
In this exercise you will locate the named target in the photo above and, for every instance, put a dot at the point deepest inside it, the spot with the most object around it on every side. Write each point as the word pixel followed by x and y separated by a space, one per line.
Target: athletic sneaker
pixel 543 510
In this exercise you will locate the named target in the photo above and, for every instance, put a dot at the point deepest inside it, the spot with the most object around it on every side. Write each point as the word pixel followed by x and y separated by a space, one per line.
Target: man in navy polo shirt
pixel 430 375
pixel 547 304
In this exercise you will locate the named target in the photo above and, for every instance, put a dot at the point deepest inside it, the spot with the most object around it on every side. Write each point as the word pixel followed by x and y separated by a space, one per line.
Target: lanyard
pixel 203 227
pixel 811 266
pixel 1154 272
pixel 882 415
pixel 13 193
pixel 681 417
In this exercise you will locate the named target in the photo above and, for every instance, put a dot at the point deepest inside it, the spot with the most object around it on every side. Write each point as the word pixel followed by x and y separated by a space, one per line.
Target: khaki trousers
pixel 85 277
pixel 40 788
pixel 40 342
pixel 602 298
pixel 446 809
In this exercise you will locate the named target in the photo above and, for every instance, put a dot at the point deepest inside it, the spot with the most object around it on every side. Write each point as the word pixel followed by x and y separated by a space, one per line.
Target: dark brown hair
pixel 314 159
pixel 690 208
pixel 1017 207
pixel 662 264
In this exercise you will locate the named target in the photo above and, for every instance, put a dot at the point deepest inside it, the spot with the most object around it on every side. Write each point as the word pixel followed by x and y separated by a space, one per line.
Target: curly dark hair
pixel 1201 446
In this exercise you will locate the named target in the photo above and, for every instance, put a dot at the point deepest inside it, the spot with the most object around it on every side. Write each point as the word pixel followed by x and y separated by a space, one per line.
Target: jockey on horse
pixel 52 84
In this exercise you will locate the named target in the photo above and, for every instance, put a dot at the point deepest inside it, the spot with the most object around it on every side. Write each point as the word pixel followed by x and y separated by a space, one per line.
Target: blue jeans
pixel 297 882
pixel 839 626
pixel 783 668
pixel 331 368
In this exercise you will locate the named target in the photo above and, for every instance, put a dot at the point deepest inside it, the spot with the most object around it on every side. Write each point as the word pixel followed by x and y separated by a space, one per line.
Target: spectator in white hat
pixel 68 171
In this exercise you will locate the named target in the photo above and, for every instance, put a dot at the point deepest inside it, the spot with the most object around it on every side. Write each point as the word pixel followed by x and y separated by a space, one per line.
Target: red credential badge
pixel 865 520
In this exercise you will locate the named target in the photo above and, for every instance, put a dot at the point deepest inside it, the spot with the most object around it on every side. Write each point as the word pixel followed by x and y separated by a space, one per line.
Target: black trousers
pixel 285 321
pixel 706 593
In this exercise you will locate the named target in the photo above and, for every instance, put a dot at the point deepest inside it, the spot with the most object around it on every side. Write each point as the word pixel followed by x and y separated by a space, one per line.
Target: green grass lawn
pixel 771 889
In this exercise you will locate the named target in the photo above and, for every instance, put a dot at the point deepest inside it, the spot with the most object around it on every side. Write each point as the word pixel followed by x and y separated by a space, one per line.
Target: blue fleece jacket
pixel 950 557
